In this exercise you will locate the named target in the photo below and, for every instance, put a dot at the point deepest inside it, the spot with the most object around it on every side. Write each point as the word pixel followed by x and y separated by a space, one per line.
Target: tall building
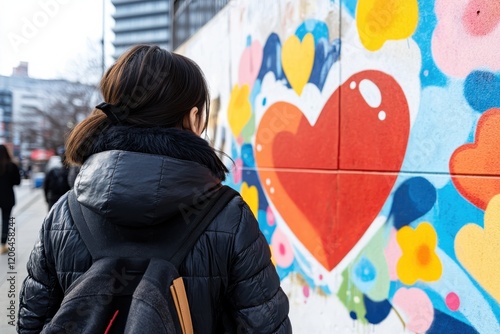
pixel 141 21
pixel 166 23
pixel 190 16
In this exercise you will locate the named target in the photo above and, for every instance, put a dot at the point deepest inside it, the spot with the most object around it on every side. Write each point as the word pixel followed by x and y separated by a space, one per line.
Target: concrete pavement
pixel 28 214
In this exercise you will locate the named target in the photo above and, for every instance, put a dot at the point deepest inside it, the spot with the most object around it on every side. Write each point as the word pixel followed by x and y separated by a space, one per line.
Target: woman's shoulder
pixel 59 217
pixel 235 217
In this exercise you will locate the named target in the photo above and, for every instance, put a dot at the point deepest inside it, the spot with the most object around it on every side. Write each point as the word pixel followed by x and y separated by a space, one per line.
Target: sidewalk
pixel 28 214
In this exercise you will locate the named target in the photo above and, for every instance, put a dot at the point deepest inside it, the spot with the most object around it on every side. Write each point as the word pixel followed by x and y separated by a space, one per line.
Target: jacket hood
pixel 136 188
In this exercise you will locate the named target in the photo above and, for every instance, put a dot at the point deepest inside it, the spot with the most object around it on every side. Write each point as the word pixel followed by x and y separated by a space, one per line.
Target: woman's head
pixel 147 87
pixel 4 154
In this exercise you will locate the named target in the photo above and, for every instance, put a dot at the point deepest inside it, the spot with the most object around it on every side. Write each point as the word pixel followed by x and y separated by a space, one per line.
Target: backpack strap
pixel 215 205
pixel 81 225
pixel 185 235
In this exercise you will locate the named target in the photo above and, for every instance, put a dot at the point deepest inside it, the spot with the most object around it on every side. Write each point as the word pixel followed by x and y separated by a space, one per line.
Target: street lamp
pixel 103 40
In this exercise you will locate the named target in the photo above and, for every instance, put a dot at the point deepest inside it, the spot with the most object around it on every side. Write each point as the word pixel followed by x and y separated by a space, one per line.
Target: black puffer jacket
pixel 8 180
pixel 232 285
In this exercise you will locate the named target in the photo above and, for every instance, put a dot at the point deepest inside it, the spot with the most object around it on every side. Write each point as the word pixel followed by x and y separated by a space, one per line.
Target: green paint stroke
pixel 249 129
pixel 352 298
pixel 374 252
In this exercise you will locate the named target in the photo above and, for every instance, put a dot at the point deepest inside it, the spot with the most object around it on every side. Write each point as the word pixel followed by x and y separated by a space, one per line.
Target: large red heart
pixel 329 181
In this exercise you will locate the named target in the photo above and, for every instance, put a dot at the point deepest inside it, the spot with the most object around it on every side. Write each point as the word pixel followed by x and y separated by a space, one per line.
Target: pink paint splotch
pixel 481 17
pixel 282 249
pixel 416 308
pixel 452 301
pixel 466 36
pixel 392 253
pixel 250 62
pixel 271 220
pixel 237 171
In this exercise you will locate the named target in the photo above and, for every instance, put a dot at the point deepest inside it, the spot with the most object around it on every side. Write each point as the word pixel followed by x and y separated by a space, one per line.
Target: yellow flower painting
pixel 419 259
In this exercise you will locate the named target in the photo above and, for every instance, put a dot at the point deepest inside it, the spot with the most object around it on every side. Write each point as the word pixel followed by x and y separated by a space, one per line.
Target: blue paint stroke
pixel 350 5
pixel 443 123
pixel 413 199
pixel 364 275
pixel 376 312
pixel 267 230
pixel 478 308
pixel 317 28
pixel 234 148
pixel 324 57
pixel 430 75
pixel 443 323
pixel 271 58
pixel 247 155
pixel 482 90
pixel 451 220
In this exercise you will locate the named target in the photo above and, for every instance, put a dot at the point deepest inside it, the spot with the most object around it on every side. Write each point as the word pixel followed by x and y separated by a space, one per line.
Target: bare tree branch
pixel 63 110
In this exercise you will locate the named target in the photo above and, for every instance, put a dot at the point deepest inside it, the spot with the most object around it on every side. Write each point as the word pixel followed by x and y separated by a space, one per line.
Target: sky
pixel 56 37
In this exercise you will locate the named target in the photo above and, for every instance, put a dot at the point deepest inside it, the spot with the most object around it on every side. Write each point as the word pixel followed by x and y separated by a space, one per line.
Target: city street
pixel 28 214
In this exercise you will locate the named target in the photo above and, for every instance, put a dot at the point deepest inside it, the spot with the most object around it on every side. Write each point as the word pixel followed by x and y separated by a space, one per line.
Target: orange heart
pixel 479 158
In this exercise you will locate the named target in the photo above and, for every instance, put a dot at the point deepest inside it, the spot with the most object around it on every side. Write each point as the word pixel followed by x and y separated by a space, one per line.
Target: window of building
pixel 142 22
pixel 191 15
pixel 159 35
pixel 5 99
pixel 145 7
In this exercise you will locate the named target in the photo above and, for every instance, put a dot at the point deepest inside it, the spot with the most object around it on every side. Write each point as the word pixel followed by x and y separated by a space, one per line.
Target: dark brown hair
pixel 149 87
pixel 5 159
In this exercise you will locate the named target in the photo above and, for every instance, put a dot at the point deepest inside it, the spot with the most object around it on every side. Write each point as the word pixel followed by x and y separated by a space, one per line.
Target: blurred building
pixel 21 70
pixel 5 116
pixel 26 115
pixel 166 23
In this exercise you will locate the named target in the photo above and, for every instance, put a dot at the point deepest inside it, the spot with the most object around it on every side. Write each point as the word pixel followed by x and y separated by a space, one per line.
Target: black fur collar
pixel 171 142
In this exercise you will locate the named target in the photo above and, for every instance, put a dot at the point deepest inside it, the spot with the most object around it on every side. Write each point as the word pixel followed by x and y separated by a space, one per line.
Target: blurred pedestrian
pixel 144 164
pixel 56 183
pixel 9 177
pixel 72 174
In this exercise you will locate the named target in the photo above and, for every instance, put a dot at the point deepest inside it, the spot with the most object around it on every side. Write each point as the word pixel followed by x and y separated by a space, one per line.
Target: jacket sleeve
pixel 257 302
pixel 40 294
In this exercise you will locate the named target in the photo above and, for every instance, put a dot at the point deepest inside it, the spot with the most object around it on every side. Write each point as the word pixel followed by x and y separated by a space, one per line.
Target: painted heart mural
pixel 330 207
pixel 312 112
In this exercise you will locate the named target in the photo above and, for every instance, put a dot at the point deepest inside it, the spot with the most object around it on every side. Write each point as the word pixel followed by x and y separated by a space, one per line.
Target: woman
pixel 56 183
pixel 142 158
pixel 9 177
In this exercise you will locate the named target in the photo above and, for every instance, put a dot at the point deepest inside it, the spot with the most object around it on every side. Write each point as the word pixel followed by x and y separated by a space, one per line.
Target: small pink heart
pixel 250 62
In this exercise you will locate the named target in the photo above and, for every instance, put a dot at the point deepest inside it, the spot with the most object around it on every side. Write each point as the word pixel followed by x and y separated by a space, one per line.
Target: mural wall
pixel 365 138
